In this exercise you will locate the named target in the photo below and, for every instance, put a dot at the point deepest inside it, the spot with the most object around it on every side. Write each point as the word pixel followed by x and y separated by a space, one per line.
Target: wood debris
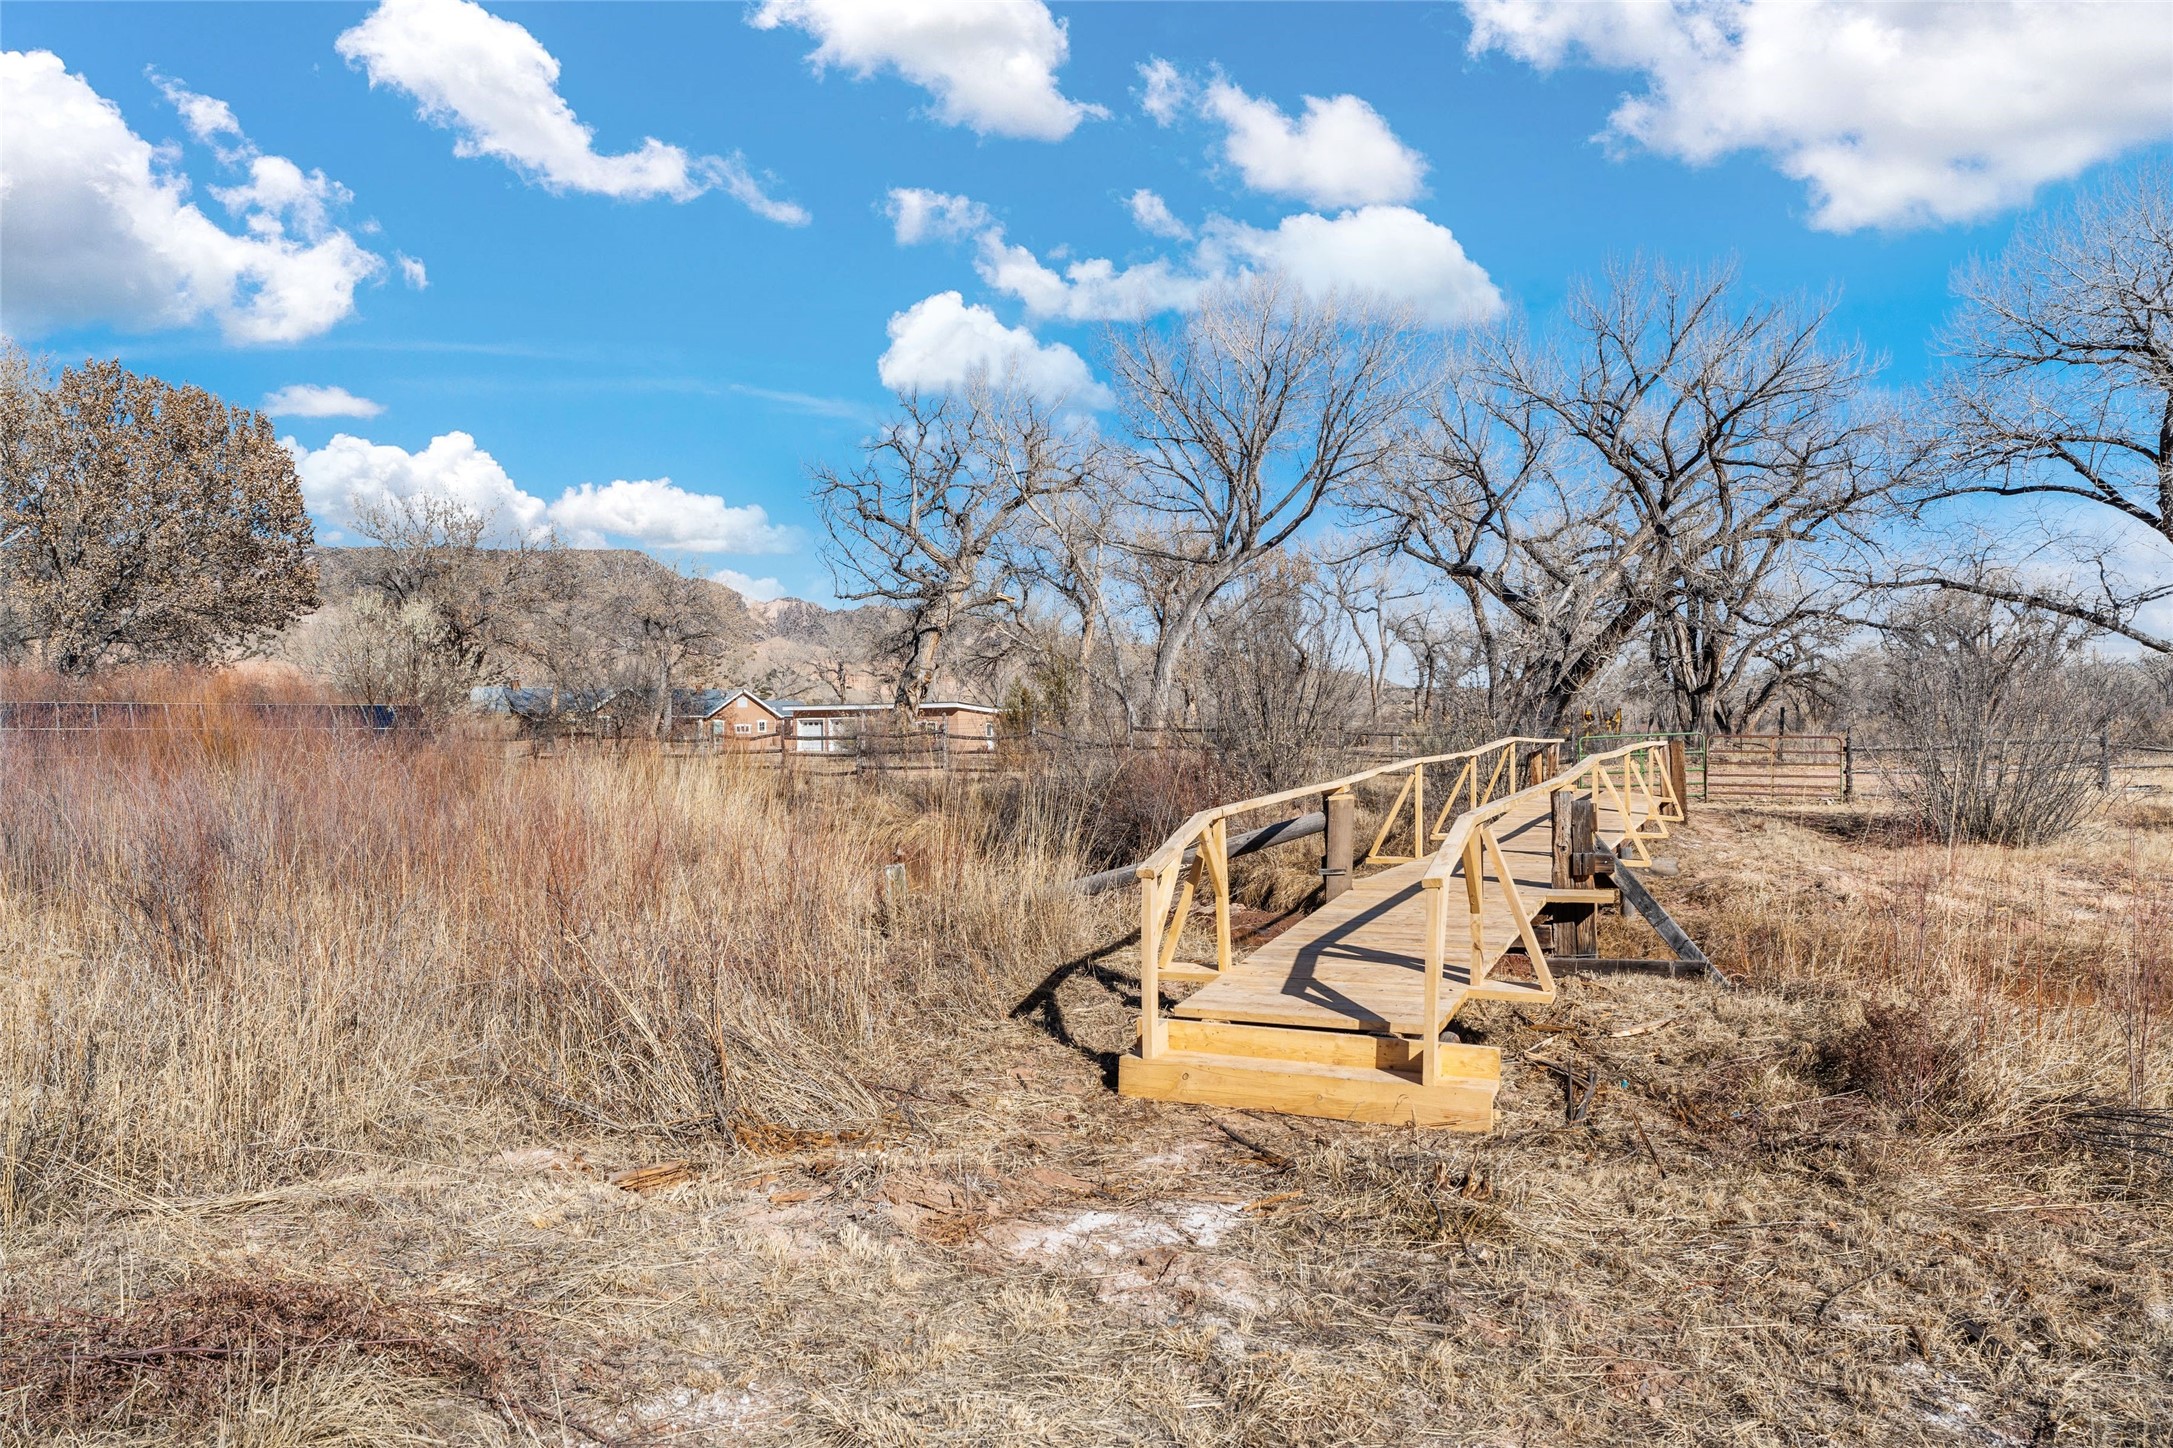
pixel 653 1178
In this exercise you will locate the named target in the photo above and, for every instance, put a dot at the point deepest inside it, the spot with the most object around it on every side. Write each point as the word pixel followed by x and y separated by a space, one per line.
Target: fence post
pixel 1848 766
pixel 1335 866
pixel 1558 811
pixel 1678 775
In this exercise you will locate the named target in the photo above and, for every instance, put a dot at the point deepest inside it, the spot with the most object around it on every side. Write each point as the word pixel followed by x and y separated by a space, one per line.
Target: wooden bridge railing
pixel 1635 779
pixel 1199 851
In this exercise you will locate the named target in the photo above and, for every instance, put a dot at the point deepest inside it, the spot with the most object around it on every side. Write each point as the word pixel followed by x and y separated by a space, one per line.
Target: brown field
pixel 318 1056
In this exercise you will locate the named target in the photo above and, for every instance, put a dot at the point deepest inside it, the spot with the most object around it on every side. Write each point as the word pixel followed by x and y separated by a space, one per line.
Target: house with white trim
pixel 739 716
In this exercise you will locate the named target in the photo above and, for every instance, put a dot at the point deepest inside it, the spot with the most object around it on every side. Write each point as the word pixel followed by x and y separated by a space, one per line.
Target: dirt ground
pixel 1750 1236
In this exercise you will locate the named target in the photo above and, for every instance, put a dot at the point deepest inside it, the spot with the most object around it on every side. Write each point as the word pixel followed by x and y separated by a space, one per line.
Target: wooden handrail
pixel 1448 855
pixel 1175 846
pixel 1170 880
pixel 1469 844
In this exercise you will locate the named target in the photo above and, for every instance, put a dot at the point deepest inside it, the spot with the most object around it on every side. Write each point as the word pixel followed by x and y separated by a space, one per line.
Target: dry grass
pixel 319 1057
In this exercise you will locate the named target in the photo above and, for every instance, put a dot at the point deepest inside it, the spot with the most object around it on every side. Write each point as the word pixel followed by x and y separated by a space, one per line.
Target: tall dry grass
pixel 1983 981
pixel 238 953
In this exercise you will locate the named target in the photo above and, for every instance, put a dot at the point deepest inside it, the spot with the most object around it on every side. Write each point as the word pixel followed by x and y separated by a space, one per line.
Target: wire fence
pixel 1719 768
pixel 141 716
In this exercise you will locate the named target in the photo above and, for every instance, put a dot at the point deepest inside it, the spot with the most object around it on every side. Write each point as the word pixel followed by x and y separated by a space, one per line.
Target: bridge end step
pixel 1345 1076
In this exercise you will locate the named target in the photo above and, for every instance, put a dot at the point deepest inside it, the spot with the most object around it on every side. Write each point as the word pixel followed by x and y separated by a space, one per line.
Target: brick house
pixel 737 715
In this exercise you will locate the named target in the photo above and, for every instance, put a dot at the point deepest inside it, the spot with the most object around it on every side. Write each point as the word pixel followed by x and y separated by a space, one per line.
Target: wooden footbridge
pixel 1346 1014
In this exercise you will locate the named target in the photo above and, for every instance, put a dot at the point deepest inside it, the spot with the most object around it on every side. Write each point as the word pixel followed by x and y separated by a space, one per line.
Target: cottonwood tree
pixel 1059 615
pixel 1442 649
pixel 441 565
pixel 1743 630
pixel 1666 448
pixel 1242 420
pixel 142 520
pixel 683 632
pixel 918 522
pixel 1371 598
pixel 2062 388
pixel 1276 698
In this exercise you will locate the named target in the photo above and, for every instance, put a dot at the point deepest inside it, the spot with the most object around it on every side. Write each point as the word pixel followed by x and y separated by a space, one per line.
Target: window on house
pixel 743 728
pixel 762 726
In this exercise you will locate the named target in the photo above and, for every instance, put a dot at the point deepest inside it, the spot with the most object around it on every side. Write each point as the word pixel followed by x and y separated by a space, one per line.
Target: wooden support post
pixel 1150 967
pixel 1421 847
pixel 1848 768
pixel 1430 1039
pixel 1341 809
pixel 1560 805
pixel 1678 776
pixel 1584 830
pixel 1215 850
pixel 1474 867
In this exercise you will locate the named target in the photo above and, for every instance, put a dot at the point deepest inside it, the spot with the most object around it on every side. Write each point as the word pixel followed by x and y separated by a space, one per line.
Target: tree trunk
pixel 918 676
pixel 1169 649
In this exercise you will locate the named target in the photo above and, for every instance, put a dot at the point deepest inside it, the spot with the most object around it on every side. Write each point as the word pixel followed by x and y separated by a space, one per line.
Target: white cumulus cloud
pixel 990 64
pixel 1151 214
pixel 940 342
pixel 1093 290
pixel 412 271
pixel 917 215
pixel 1339 153
pixel 493 83
pixel 209 119
pixel 1891 115
pixel 1164 91
pixel 305 399
pixel 761 590
pixel 1388 253
pixel 660 514
pixel 350 475
pixel 97 227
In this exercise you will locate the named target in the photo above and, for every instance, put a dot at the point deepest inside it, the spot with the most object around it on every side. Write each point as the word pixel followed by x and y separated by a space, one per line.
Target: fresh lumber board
pixel 1341 1093
pixel 1329 1048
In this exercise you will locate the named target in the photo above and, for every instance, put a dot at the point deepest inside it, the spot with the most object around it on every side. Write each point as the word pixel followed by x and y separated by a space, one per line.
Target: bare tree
pixel 1058 615
pixel 1244 419
pixel 140 520
pixel 1371 598
pixel 683 634
pixel 1443 649
pixel 917 523
pixel 1742 631
pixel 376 654
pixel 2063 388
pixel 1665 449
pixel 1277 701
pixel 439 560
pixel 1995 724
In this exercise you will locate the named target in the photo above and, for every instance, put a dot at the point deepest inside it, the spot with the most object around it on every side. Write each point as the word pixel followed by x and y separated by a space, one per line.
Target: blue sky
pixel 720 312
